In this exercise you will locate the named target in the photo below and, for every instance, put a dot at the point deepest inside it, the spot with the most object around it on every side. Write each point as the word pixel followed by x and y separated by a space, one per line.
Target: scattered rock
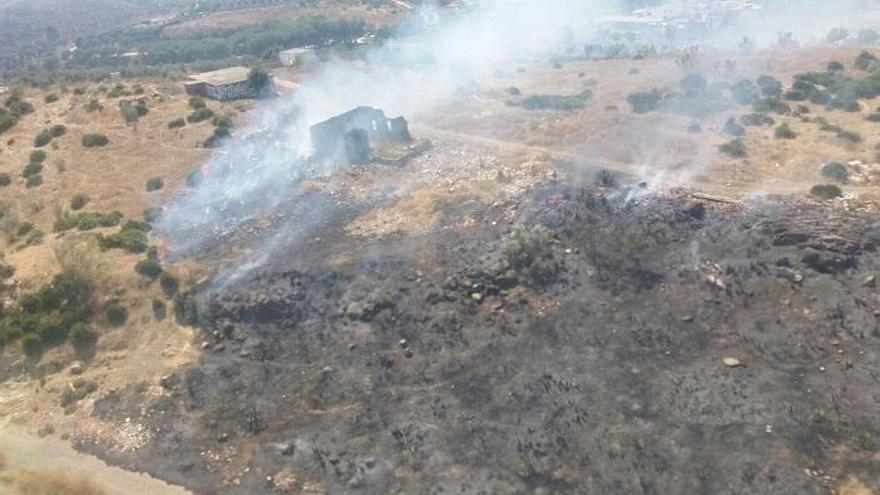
pixel 732 362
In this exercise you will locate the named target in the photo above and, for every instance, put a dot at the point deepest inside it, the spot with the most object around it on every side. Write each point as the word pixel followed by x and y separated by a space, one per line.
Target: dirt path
pixel 52 455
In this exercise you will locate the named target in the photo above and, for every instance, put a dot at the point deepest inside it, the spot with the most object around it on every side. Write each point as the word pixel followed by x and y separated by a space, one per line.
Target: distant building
pixel 351 135
pixel 224 84
pixel 298 57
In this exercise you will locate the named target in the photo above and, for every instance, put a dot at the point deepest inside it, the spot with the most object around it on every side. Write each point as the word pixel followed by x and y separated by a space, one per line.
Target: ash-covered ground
pixel 653 346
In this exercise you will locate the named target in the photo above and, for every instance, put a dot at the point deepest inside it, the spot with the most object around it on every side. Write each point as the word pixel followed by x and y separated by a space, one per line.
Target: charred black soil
pixel 662 346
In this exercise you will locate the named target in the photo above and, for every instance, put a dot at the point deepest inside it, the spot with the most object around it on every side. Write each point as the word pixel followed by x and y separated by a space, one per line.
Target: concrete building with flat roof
pixel 224 84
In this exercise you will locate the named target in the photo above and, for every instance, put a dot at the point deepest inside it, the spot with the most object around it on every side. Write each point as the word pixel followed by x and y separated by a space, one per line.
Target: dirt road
pixel 52 455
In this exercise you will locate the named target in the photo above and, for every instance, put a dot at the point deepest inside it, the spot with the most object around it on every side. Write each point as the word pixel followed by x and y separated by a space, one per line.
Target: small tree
pixel 117 315
pixel 148 268
pixel 735 148
pixel 258 80
pixel 826 191
pixel 57 130
pixel 79 201
pixel 83 336
pixel 154 184
pixel 865 60
pixel 42 139
pixel 784 132
pixel 95 140
pixel 836 171
pixel 835 66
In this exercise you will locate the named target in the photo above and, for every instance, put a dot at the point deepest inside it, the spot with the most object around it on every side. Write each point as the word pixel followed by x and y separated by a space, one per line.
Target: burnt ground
pixel 427 366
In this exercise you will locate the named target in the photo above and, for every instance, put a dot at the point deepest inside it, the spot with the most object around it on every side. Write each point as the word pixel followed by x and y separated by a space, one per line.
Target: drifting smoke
pixel 255 173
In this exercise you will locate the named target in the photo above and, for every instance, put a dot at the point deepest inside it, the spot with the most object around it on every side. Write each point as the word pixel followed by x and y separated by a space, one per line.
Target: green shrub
pixel 222 121
pixel 734 129
pixel 35 237
pixel 83 336
pixel 784 132
pixel 160 310
pixel 529 251
pixel 836 171
pixel 197 102
pixel 5 180
pixel 865 61
pixel 735 148
pixel 771 104
pixel 79 201
pixel 24 228
pixel 835 66
pixel 148 268
pixel 7 120
pixel 42 139
pixel 93 106
pixel 186 311
pixel 556 102
pixel 129 112
pixel 643 102
pixel 116 314
pixel 94 140
pixel 769 86
pixel 873 117
pixel 86 220
pixel 33 181
pixel 177 123
pixel 152 214
pixel 154 184
pixel 50 98
pixel 6 271
pixel 32 345
pixel 131 237
pixel 200 115
pixel 32 169
pixel 118 91
pixel 37 156
pixel 169 284
pixel 826 191
pixel 853 137
pixel 744 92
pixel 57 130
pixel 137 89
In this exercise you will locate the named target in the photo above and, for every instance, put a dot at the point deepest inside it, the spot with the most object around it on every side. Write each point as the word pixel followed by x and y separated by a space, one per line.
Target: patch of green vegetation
pixel 735 148
pixel 186 310
pixel 116 314
pixel 57 130
pixel 643 102
pixel 771 104
pixel 5 180
pixel 7 120
pixel 836 171
pixel 866 61
pixel 529 251
pixel 37 156
pixel 170 285
pixel 732 128
pixel 177 123
pixel 131 237
pixel 45 317
pixel 118 91
pixel 94 140
pixel 42 139
pixel 32 181
pixel 6 270
pixel 83 336
pixel 149 268
pixel 556 102
pixel 154 184
pixel 200 115
pixel 160 309
pixel 744 92
pixel 769 86
pixel 826 191
pixel 32 169
pixel 79 201
pixel 851 136
pixel 86 220
pixel 50 98
pixel 835 66
pixel 784 131
pixel 93 106
pixel 197 102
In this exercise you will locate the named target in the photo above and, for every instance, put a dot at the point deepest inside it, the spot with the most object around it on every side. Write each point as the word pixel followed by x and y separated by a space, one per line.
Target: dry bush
pixel 82 259
pixel 27 482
